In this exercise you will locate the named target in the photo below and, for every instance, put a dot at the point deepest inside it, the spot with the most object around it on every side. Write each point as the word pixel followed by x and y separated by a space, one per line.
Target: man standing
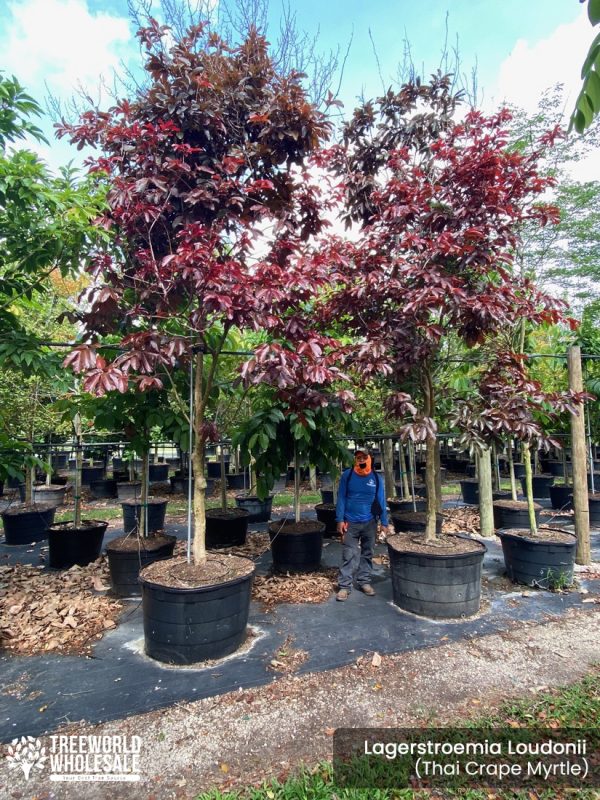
pixel 360 502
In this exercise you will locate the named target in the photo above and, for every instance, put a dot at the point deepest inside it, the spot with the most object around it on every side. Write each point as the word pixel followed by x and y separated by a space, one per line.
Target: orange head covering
pixel 362 462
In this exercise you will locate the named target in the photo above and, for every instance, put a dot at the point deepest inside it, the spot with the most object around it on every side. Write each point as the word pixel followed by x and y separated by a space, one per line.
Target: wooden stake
pixel 578 460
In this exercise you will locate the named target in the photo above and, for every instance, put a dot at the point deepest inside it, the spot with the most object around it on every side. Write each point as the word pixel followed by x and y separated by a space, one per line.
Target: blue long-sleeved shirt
pixel 356 507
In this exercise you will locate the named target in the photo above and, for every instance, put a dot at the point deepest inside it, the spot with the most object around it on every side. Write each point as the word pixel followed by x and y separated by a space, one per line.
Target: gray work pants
pixel 357 553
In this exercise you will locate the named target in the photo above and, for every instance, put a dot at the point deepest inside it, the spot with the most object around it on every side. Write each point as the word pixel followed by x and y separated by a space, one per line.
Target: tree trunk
pixel 296 485
pixel 253 477
pixel 223 481
pixel 486 508
pixel 199 548
pixel 529 488
pixel 495 469
pixel 430 464
pixel 578 461
pixel 403 470
pixel 312 477
pixel 143 522
pixel 511 471
pixel 387 452
pixel 78 466
pixel 438 477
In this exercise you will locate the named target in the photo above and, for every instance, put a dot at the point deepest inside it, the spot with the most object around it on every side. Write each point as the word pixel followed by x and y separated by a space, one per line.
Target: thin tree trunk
pixel 199 545
pixel 78 466
pixel 312 477
pixel 430 479
pixel 578 461
pixel 495 469
pixel 223 482
pixel 565 466
pixel 253 477
pixel 403 471
pixel 143 521
pixel 438 477
pixel 296 485
pixel 486 508
pixel 529 488
pixel 387 452
pixel 511 470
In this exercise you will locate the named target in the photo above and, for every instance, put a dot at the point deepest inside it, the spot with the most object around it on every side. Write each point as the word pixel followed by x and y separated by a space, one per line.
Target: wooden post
pixel 486 508
pixel 387 455
pixel 578 460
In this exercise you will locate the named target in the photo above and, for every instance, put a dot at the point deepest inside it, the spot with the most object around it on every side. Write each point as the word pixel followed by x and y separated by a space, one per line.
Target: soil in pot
pixel 127 555
pixel 326 514
pixel 296 546
pixel 398 506
pixel 513 513
pixel 545 559
pixel 195 612
pixel 132 510
pixel 226 528
pixel 441 580
pixel 24 524
pixel 259 510
pixel 540 484
pixel 415 522
pixel 69 545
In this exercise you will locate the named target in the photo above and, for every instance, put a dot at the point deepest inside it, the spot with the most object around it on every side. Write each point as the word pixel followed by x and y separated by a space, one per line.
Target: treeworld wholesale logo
pixel 78 758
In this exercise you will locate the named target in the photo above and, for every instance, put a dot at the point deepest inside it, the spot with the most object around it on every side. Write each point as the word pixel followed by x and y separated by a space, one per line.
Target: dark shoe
pixel 366 588
pixel 342 595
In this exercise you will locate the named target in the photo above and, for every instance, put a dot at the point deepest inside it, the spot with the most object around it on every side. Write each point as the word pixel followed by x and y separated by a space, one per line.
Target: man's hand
pixel 342 527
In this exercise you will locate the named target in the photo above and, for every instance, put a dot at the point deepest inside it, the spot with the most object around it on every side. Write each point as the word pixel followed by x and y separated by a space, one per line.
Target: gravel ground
pixel 244 737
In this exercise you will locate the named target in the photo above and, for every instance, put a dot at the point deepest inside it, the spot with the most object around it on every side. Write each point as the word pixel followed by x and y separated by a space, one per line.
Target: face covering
pixel 362 465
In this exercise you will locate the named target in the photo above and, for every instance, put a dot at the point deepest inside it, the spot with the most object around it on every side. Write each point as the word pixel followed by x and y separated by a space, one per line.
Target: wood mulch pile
pixel 312 587
pixel 461 520
pixel 63 612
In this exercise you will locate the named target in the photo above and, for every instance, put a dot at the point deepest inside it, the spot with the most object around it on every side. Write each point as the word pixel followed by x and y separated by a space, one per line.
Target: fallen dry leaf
pixel 376 661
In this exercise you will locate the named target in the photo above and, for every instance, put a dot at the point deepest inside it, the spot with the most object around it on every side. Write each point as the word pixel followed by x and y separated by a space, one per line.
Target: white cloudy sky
pixel 63 44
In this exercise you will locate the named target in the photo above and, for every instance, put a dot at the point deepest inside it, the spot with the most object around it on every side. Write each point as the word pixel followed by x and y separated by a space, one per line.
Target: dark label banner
pixel 453 758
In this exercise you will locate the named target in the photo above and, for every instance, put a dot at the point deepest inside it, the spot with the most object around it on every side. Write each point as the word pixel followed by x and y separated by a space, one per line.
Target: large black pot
pixel 129 490
pixel 185 626
pixel 506 517
pixel 53 495
pixel 296 551
pixel 557 468
pixel 327 496
pixel 596 486
pixel 501 495
pixel 23 525
pixel 59 461
pixel 125 565
pixel 89 474
pixel 259 510
pixel 562 497
pixel 594 508
pixel 237 480
pixel 518 469
pixel 105 489
pixel 326 514
pixel 536 562
pixel 409 521
pixel 132 510
pixel 69 545
pixel 435 585
pixel 470 492
pixel 226 529
pixel 398 506
pixel 420 489
pixel 213 468
pixel 158 473
pixel 541 485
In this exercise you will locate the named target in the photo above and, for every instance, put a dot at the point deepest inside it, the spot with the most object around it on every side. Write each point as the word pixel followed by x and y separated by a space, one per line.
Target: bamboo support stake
pixel 578 460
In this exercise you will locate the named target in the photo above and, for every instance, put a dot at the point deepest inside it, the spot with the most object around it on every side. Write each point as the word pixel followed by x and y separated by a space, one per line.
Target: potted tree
pixel 211 141
pixel 439 203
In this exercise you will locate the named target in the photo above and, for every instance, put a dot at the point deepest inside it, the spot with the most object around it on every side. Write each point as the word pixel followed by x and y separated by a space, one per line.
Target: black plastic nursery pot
pixel 327 496
pixel 158 473
pixel 51 495
pixel 259 510
pixel 513 514
pixel 596 487
pixel 105 489
pixel 132 511
pixel 237 480
pixel 519 469
pixel 562 497
pixel 500 495
pixel 470 492
pixel 540 485
pixel 127 555
pixel 398 506
pixel 1 488
pixel 594 509
pixel 226 528
pixel 89 474
pixel 296 546
pixel 59 461
pixel 26 524
pixel 436 585
pixel 326 514
pixel 129 490
pixel 420 489
pixel 415 522
pixel 190 625
pixel 213 468
pixel 557 468
pixel 534 561
pixel 69 545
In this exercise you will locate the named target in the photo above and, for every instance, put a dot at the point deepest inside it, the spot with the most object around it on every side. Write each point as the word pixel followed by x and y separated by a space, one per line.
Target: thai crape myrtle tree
pixel 438 202
pixel 211 207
